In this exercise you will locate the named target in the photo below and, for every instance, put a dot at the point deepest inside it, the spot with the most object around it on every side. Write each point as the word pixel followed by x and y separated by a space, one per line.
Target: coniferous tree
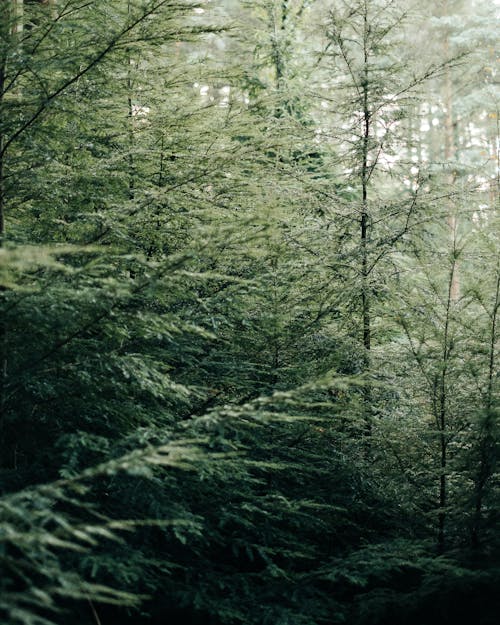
pixel 229 315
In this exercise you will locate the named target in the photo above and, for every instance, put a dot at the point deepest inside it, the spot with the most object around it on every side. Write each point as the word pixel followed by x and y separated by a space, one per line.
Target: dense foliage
pixel 249 312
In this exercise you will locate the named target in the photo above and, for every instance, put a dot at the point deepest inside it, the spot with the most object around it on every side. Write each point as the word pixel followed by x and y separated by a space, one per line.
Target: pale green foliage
pixel 183 380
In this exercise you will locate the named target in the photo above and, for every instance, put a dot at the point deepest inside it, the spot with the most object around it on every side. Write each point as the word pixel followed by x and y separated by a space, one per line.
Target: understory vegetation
pixel 249 312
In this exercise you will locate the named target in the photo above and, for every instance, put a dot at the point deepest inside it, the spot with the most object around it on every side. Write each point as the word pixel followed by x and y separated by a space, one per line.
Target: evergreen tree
pixel 247 375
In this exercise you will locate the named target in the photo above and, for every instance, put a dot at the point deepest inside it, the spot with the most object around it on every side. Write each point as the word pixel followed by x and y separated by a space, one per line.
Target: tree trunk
pixel 18 22
pixel 130 115
pixel 2 150
pixel 450 156
pixel 365 293
pixel 487 439
pixel 5 25
pixel 442 416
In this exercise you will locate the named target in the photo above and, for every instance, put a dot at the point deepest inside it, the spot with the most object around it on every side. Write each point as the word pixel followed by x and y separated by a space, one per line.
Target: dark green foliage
pixel 184 386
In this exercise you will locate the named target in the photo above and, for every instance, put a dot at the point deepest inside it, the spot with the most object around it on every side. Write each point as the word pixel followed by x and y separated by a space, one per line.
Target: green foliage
pixel 205 212
pixel 43 528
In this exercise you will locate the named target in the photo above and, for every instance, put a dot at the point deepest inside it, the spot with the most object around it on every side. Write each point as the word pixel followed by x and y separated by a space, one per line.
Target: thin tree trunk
pixel 5 24
pixel 5 27
pixel 275 344
pixel 18 21
pixel 130 115
pixel 442 466
pixel 449 156
pixel 2 152
pixel 487 440
pixel 442 416
pixel 278 25
pixel 11 27
pixel 53 7
pixel 365 294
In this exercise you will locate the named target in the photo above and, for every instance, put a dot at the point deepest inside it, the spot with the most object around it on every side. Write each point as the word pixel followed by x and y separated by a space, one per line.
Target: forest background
pixel 249 295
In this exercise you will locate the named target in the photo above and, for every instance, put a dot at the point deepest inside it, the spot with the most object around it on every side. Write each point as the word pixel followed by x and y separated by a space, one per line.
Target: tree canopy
pixel 249 312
